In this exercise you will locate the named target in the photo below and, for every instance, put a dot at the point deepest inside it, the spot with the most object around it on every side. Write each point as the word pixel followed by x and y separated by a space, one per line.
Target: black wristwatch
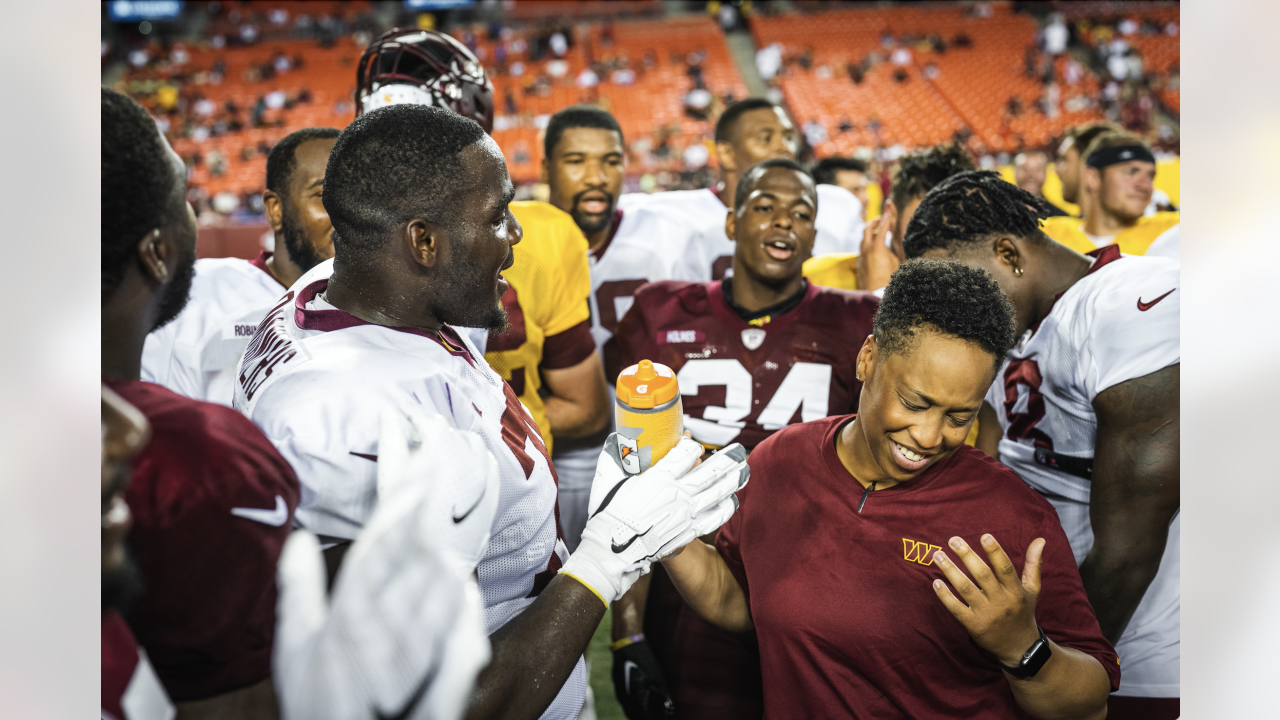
pixel 1032 660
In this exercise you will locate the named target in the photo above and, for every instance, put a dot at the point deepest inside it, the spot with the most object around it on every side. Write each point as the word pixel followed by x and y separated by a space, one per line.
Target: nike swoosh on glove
pixel 636 519
pixel 404 635
pixel 638 683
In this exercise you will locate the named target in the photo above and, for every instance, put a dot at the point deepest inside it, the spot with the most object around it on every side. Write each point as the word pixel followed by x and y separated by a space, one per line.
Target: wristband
pixel 619 644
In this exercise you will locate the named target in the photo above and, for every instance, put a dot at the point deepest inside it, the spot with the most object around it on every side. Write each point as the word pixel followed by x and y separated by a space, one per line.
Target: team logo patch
pixel 753 338
pixel 918 551
pixel 671 337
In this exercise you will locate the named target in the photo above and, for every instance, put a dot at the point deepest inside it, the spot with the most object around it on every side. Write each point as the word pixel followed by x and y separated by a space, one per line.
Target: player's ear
pixel 731 225
pixel 1009 255
pixel 1092 178
pixel 866 361
pixel 152 253
pixel 724 155
pixel 275 210
pixel 424 240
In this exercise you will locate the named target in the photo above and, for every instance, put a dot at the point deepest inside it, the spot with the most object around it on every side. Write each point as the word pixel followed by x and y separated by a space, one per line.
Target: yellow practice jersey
pixel 1132 241
pixel 546 302
pixel 836 270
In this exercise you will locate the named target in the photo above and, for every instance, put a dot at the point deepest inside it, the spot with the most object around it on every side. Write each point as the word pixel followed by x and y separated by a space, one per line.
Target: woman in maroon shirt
pixel 855 553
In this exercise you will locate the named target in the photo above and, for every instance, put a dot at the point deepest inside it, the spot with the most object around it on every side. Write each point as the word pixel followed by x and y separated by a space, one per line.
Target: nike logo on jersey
pixel 1145 306
pixel 459 518
pixel 620 548
pixel 274 518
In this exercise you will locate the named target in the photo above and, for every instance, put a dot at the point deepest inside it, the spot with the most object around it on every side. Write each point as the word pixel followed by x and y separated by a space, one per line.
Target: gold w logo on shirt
pixel 918 551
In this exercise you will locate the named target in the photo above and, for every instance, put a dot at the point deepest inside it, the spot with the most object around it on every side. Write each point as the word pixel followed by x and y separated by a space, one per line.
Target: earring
pixel 1017 272
pixel 857 377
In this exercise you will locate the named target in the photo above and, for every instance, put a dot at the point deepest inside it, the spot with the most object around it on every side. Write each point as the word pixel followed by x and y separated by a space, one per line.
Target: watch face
pixel 1034 659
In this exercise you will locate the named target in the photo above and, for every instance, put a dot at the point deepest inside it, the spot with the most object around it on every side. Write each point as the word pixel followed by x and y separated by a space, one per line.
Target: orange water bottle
pixel 648 414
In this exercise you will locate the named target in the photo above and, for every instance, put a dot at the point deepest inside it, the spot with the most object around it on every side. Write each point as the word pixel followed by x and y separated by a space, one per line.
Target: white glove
pixel 636 519
pixel 404 635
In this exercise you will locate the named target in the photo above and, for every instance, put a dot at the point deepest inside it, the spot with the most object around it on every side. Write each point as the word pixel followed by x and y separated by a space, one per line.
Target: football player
pixel 876 260
pixel 748 132
pixel 130 690
pixel 546 354
pixel 583 162
pixel 1085 410
pixel 1118 176
pixel 1070 162
pixel 211 498
pixel 419 198
pixel 848 173
pixel 196 354
pixel 753 353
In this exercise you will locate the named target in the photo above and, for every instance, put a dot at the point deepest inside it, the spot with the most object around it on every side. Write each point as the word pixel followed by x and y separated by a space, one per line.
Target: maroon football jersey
pixel 212 503
pixel 742 381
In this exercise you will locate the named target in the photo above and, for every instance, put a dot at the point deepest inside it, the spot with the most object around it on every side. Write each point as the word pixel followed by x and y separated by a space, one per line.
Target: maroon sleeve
pixel 207 616
pixel 1062 609
pixel 566 349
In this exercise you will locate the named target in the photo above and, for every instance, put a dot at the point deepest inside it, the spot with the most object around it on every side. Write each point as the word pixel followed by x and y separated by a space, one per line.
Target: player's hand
pixel 638 683
pixel 876 263
pixel 636 519
pixel 403 633
pixel 997 607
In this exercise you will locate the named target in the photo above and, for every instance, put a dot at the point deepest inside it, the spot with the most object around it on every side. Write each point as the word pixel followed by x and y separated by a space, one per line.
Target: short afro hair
pixel 391 165
pixel 578 116
pixel 726 124
pixel 948 297
pixel 971 208
pixel 138 183
pixel 283 159
pixel 824 171
pixel 755 172
pixel 920 172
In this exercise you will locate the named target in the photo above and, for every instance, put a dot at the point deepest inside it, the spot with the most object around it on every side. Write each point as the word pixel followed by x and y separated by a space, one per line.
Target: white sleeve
pixel 1133 326
pixel 175 365
pixel 1168 245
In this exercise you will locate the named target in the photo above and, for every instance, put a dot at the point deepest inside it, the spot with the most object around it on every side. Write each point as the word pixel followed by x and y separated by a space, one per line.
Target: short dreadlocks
pixel 971 208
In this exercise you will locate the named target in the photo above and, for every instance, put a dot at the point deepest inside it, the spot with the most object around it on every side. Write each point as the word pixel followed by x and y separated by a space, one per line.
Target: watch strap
pixel 1032 660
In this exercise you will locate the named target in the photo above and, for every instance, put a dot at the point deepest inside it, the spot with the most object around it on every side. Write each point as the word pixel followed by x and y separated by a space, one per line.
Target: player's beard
pixel 122 585
pixel 175 294
pixel 296 243
pixel 470 287
pixel 591 223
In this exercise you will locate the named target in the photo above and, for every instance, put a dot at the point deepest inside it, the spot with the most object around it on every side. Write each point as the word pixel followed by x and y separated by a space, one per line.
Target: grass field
pixel 607 707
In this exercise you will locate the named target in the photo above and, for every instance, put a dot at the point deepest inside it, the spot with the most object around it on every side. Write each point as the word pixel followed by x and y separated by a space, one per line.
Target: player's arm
pixel 579 403
pixel 705 582
pixel 1135 493
pixel 535 652
pixel 988 431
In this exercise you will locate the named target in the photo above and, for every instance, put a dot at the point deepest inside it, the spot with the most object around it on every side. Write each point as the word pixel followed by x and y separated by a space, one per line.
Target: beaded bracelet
pixel 619 644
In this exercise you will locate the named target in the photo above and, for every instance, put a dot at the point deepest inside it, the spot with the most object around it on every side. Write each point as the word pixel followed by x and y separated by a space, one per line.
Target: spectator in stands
pixel 1056 36
pixel 848 173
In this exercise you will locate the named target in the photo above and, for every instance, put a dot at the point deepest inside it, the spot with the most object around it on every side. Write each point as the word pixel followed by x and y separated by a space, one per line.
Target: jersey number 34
pixel 806 387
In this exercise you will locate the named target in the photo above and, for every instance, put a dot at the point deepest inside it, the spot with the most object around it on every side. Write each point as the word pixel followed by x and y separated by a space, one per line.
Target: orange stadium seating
pixel 971 89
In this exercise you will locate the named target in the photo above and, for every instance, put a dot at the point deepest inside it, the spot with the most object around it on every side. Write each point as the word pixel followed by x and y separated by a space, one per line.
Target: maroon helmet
pixel 424 67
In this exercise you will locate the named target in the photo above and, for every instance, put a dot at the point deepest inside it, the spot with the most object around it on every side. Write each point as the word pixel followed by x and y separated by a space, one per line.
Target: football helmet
pixel 427 68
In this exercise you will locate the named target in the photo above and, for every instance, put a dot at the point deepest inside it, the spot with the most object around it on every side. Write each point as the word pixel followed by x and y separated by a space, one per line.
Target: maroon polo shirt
pixel 847 619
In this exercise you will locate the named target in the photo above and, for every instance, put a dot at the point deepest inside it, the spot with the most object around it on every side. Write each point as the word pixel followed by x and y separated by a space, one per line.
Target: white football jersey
pixel 196 354
pixel 709 251
pixel 1119 322
pixel 316 378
